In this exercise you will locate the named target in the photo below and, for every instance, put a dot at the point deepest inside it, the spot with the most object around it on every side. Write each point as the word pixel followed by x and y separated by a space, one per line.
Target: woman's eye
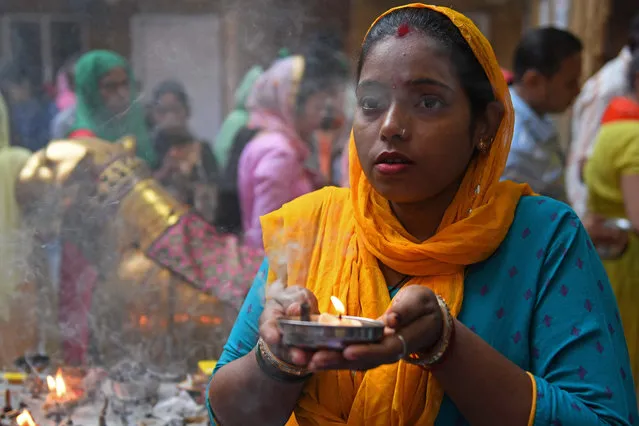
pixel 369 103
pixel 430 102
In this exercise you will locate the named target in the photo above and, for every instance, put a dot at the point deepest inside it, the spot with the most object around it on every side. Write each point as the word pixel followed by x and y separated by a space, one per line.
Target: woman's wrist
pixel 435 353
pixel 277 369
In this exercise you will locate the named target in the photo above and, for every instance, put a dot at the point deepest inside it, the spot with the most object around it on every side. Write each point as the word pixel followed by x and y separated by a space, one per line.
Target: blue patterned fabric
pixel 543 300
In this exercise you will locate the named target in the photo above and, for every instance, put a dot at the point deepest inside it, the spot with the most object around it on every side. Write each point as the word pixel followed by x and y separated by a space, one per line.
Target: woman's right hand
pixel 285 301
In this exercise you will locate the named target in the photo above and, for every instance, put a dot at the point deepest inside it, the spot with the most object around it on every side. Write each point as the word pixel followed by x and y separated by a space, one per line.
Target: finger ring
pixel 404 346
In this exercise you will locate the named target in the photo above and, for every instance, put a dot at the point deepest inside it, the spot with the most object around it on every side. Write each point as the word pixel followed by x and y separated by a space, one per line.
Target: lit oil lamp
pixel 328 331
pixel 61 400
pixel 25 419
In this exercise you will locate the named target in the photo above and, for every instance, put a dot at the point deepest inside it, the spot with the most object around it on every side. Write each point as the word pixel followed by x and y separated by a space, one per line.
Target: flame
pixel 144 321
pixel 25 419
pixel 51 383
pixel 57 385
pixel 60 386
pixel 338 305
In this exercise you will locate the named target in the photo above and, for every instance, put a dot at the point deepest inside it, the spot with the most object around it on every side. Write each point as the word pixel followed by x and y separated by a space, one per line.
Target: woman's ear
pixel 487 124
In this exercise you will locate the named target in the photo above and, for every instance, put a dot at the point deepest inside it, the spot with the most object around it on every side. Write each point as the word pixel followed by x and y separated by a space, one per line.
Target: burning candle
pixel 339 306
pixel 57 386
pixel 329 319
pixel 25 419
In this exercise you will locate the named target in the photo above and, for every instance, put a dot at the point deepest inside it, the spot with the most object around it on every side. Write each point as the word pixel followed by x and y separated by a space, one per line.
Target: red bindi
pixel 403 30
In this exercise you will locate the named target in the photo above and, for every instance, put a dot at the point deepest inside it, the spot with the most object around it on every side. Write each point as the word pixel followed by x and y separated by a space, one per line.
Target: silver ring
pixel 404 346
pixel 403 132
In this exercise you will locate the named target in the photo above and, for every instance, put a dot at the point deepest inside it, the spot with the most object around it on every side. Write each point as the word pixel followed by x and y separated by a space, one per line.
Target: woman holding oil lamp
pixel 425 226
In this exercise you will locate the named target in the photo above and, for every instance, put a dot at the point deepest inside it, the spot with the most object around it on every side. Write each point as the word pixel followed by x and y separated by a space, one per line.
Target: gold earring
pixel 483 145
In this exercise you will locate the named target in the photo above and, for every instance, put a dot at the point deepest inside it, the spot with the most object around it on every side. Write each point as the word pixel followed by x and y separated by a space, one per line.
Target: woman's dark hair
pixel 633 71
pixel 544 50
pixel 175 88
pixel 441 29
pixel 325 65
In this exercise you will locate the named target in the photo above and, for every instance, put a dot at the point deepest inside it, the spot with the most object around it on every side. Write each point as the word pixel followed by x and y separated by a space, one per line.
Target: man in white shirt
pixel 596 94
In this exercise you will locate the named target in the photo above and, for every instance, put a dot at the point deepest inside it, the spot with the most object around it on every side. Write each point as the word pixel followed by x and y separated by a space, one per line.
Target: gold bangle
pixel 437 352
pixel 293 371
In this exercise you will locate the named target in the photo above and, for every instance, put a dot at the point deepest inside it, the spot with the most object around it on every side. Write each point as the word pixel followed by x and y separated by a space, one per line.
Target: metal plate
pixel 313 335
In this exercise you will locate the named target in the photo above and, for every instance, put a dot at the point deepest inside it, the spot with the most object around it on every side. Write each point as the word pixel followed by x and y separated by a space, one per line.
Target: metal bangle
pixel 277 369
pixel 436 354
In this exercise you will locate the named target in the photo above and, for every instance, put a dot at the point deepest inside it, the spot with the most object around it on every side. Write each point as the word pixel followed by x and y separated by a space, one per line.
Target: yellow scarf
pixel 330 240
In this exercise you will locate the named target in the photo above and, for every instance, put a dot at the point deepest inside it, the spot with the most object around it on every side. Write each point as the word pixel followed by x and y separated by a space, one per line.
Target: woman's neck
pixel 421 219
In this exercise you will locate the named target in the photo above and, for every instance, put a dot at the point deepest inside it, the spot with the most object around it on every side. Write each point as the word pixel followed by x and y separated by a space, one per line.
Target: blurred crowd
pixel 282 139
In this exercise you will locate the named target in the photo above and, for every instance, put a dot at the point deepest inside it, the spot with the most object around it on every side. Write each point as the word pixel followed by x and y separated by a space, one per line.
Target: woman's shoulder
pixel 531 208
pixel 539 223
pixel 329 197
pixel 541 218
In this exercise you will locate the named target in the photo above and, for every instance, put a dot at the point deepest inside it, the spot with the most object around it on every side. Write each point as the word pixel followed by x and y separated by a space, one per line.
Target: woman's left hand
pixel 414 314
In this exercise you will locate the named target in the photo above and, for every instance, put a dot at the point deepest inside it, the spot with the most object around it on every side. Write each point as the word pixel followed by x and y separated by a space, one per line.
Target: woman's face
pixel 412 125
pixel 313 111
pixel 115 90
pixel 169 112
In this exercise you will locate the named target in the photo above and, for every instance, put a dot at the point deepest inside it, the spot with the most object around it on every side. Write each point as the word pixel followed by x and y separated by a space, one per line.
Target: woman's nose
pixel 395 125
pixel 123 92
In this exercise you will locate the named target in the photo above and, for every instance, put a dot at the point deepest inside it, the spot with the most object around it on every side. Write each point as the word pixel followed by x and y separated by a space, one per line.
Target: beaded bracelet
pixel 277 369
pixel 436 354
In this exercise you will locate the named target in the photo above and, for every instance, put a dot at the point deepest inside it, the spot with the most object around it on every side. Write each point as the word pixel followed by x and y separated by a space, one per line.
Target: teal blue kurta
pixel 543 300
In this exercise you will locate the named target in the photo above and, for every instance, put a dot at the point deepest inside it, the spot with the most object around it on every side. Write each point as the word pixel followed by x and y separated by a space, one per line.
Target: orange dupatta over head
pixel 330 241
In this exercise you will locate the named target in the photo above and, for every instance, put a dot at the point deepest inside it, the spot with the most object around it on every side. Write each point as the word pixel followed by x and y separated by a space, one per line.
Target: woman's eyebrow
pixel 370 84
pixel 428 82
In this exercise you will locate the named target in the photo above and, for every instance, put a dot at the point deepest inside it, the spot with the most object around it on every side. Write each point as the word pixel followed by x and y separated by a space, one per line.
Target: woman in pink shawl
pixel 285 106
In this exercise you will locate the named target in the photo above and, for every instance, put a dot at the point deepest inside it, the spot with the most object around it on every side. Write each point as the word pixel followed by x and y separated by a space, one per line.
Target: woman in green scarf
pixel 107 104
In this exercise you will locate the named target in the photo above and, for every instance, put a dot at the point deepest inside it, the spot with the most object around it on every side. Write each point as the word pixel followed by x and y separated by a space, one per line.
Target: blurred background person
pixel 65 101
pixel 237 119
pixel 107 103
pixel 13 247
pixel 286 106
pixel 547 72
pixel 612 178
pixel 30 115
pixel 170 106
pixel 187 169
pixel 611 81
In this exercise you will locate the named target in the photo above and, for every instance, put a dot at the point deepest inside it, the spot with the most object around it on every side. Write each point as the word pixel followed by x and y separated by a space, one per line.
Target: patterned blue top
pixel 544 301
pixel 536 156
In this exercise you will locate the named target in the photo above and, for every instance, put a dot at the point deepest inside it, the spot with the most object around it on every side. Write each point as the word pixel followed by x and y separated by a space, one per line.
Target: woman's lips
pixel 392 163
